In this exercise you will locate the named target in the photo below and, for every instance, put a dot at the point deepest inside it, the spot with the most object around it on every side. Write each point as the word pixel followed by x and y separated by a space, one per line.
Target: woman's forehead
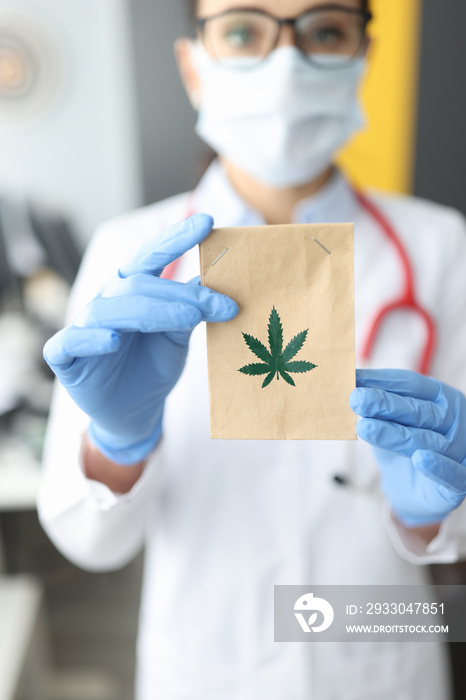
pixel 280 8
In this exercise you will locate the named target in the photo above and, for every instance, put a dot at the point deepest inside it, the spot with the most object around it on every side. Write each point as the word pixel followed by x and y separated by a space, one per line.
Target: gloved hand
pixel 126 350
pixel 417 426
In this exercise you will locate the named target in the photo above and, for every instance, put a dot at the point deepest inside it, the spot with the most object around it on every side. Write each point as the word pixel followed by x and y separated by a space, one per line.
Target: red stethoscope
pixel 405 302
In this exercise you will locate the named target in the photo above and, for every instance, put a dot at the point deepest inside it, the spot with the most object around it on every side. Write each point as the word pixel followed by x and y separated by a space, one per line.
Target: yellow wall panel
pixel 383 155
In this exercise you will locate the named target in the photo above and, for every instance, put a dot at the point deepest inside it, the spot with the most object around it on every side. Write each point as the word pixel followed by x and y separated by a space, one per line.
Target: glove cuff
pixel 418 521
pixel 125 456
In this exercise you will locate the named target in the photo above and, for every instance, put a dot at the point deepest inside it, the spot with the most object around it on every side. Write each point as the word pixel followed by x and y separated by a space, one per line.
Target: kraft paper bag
pixel 284 368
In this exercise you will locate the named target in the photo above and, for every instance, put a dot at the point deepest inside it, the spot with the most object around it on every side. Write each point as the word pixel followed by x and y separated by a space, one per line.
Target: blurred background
pixel 94 122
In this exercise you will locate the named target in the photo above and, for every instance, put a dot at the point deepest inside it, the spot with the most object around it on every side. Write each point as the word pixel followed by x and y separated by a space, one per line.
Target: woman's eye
pixel 239 36
pixel 327 35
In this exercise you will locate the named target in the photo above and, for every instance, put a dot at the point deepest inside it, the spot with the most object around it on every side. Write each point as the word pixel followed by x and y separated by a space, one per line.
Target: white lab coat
pixel 223 521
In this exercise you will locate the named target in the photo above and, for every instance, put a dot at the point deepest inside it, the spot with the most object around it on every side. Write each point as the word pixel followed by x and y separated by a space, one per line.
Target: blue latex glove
pixel 417 426
pixel 125 352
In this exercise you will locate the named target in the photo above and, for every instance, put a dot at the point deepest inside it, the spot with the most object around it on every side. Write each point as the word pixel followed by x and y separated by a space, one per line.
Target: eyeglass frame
pixel 200 22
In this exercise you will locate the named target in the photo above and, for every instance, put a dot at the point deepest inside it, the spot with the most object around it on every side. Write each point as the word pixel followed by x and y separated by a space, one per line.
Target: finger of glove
pixel 139 313
pixel 441 469
pixel 169 245
pixel 406 410
pixel 400 439
pixel 65 346
pixel 214 307
pixel 399 381
pixel 180 337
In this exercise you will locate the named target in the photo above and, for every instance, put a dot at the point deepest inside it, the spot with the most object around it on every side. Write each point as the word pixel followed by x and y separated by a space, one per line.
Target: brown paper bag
pixel 285 366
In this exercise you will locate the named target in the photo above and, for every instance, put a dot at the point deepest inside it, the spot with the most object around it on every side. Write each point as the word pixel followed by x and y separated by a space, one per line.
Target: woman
pixel 223 522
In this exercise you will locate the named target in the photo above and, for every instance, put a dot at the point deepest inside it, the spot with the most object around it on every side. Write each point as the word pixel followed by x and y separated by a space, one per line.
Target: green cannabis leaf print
pixel 276 362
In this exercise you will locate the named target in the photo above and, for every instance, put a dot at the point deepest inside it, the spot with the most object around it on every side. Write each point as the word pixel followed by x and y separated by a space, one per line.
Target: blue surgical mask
pixel 281 121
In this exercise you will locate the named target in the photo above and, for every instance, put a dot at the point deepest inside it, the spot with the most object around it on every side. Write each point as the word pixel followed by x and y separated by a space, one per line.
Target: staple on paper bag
pixel 285 366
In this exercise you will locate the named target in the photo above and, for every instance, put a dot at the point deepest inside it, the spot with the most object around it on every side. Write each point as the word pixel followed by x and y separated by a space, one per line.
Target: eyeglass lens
pixel 251 34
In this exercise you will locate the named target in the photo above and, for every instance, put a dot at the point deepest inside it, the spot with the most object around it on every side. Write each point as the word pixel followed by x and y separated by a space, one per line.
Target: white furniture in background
pixel 23 640
pixel 24 658
pixel 19 479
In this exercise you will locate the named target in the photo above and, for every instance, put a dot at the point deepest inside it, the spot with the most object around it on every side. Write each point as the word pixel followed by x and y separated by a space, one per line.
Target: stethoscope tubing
pixel 407 300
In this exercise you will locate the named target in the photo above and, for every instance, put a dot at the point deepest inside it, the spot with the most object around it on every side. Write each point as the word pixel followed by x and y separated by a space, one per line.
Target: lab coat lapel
pixel 215 195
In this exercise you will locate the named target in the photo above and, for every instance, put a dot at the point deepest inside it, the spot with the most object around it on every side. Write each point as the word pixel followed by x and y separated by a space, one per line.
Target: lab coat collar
pixel 214 195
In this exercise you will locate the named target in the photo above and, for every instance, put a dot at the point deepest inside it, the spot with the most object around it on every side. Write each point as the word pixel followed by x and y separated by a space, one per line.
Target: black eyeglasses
pixel 328 35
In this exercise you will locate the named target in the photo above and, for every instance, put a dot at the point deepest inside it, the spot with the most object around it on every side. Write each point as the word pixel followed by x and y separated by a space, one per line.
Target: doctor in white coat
pixel 128 460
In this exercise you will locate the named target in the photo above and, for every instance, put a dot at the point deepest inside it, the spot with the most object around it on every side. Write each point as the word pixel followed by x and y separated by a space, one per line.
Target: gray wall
pixel 172 155
pixel 441 141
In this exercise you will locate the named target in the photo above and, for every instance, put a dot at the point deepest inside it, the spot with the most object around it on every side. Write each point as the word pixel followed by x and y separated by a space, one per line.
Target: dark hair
pixel 192 5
